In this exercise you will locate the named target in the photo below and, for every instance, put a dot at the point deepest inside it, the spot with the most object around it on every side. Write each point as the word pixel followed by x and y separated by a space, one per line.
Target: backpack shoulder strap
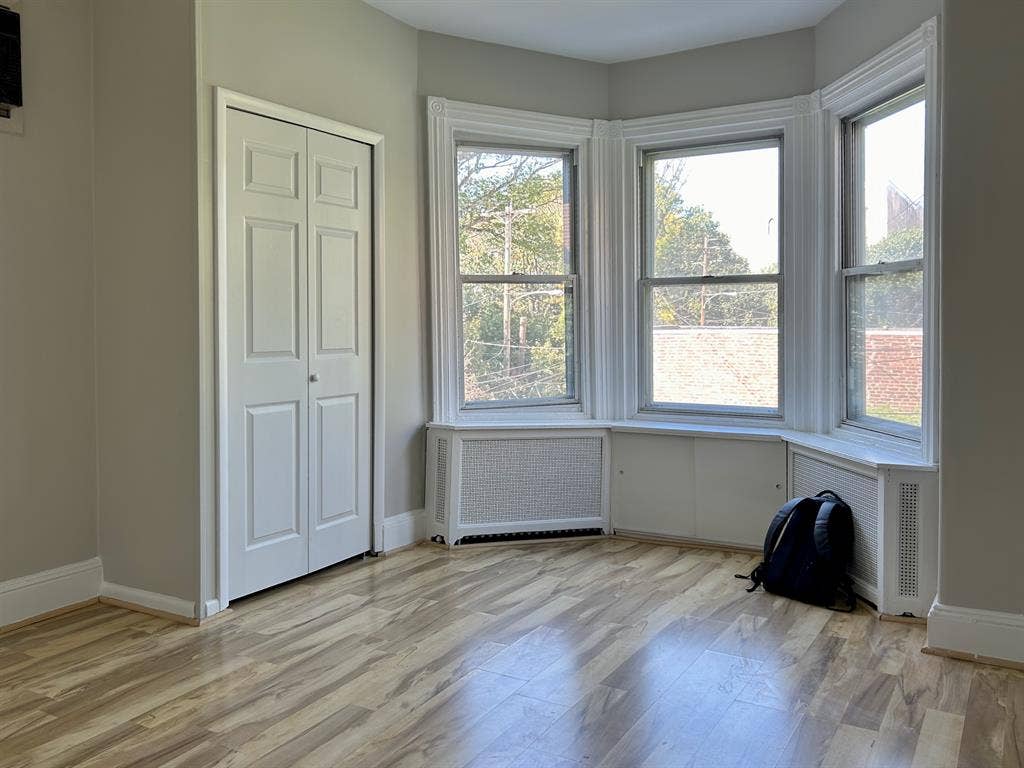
pixel 775 530
pixel 833 519
pixel 771 539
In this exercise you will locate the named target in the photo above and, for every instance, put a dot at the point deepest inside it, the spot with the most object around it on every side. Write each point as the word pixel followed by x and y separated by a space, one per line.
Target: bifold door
pixel 298 326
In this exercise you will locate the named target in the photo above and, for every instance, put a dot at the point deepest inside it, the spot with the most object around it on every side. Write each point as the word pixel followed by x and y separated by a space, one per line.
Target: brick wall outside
pixel 893 372
pixel 717 366
pixel 739 366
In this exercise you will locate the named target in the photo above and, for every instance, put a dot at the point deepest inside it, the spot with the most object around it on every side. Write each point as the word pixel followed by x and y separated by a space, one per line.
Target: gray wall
pixel 772 67
pixel 47 393
pixel 982 529
pixel 346 61
pixel 858 29
pixel 146 306
pixel 483 73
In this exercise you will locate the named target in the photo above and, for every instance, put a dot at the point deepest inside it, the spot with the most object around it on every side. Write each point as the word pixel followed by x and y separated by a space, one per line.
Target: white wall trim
pixel 990 634
pixel 209 608
pixel 216 465
pixel 36 594
pixel 153 600
pixel 404 529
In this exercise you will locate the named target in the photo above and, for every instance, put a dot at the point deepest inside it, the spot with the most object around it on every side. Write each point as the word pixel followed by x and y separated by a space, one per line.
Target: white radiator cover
pixel 895 511
pixel 516 481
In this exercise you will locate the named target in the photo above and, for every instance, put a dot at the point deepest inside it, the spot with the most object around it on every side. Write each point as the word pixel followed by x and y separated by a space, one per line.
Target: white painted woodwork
pixel 299 350
pixel 266 352
pixel 340 345
pixel 711 489
pixel 653 487
pixel 740 485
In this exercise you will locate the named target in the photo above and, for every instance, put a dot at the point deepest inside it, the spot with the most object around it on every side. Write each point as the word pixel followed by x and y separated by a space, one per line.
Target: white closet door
pixel 340 347
pixel 267 358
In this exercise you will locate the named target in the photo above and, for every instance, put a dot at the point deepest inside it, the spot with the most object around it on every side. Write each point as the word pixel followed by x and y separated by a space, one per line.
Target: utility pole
pixel 506 304
pixel 703 286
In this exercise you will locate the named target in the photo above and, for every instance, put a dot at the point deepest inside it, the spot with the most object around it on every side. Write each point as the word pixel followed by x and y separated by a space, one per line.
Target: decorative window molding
pixel 794 122
pixel 907 64
pixel 450 123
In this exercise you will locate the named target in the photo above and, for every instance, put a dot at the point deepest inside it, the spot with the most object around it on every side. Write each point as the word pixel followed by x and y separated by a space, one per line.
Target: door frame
pixel 225 99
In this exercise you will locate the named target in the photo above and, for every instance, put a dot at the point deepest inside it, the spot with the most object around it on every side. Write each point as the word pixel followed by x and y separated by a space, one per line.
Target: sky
pixel 741 190
pixel 741 187
pixel 893 151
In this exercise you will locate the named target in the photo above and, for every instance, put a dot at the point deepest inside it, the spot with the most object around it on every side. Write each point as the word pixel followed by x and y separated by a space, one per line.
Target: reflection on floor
pixel 598 653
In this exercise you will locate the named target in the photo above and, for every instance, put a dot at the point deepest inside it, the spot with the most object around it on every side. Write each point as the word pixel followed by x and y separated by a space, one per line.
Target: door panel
pixel 340 367
pixel 267 360
pixel 271 288
pixel 337 298
pixel 272 473
pixel 337 437
pixel 740 486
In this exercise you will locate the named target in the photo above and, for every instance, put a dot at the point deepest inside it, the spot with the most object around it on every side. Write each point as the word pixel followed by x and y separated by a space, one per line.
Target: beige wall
pixel 858 29
pixel 146 300
pixel 483 73
pixel 349 62
pixel 982 529
pixel 772 67
pixel 47 393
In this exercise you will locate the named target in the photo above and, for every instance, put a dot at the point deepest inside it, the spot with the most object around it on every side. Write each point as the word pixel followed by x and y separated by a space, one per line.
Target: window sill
pixel 877 454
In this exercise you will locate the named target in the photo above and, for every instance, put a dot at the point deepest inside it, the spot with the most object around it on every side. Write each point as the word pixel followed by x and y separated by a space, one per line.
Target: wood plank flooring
pixel 605 653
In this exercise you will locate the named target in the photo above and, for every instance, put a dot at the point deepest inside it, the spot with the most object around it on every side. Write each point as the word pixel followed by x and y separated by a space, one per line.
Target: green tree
pixel 689 242
pixel 894 300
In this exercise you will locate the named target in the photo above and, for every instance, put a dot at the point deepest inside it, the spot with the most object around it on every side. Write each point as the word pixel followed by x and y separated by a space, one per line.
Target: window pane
pixel 884 350
pixel 716 345
pixel 517 341
pixel 893 194
pixel 515 212
pixel 715 213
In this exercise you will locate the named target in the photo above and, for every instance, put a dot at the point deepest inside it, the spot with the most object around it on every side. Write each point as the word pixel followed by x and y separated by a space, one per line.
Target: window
pixel 883 259
pixel 517 261
pixel 711 279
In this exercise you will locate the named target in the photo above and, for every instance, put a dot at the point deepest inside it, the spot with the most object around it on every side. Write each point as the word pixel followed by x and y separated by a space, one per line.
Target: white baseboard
pixel 155 601
pixel 46 591
pixel 209 608
pixel 976 632
pixel 404 529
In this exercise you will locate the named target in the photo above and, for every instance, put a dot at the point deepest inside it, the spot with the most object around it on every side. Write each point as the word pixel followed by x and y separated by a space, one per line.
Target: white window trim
pixel 904 65
pixel 451 122
pixel 795 122
pixel 608 198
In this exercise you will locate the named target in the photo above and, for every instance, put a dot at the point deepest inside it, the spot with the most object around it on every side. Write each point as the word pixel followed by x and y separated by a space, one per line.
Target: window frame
pixel 646 283
pixel 911 63
pixel 570 160
pixel 451 124
pixel 853 264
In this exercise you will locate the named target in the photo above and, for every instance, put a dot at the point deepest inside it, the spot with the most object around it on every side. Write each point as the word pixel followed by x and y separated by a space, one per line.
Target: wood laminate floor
pixel 590 653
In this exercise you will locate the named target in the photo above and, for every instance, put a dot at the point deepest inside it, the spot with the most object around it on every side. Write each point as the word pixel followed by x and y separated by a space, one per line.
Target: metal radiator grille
pixel 441 481
pixel 530 480
pixel 907 576
pixel 811 475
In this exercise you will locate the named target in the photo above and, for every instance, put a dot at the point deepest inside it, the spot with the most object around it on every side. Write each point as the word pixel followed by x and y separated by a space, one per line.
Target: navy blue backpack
pixel 807 552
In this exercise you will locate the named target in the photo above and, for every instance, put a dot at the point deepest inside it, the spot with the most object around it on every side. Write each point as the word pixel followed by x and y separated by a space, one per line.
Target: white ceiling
pixel 608 30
